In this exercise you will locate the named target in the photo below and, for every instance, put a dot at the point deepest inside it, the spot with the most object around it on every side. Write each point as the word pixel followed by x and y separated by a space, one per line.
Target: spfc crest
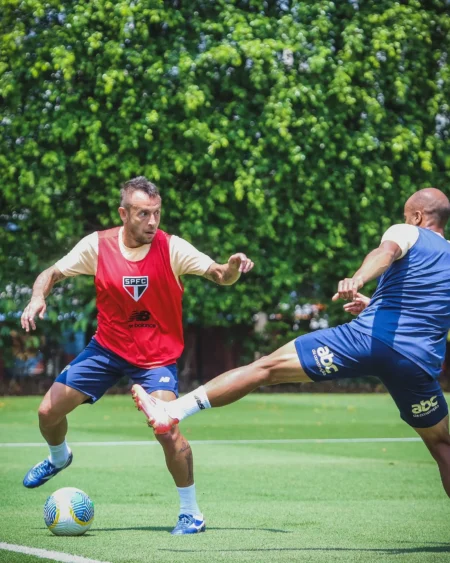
pixel 135 286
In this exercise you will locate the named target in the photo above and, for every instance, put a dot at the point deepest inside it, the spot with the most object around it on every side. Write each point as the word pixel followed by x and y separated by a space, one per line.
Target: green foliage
pixel 292 131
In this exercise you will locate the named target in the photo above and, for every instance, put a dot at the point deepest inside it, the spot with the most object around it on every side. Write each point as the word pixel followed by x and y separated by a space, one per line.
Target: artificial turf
pixel 263 502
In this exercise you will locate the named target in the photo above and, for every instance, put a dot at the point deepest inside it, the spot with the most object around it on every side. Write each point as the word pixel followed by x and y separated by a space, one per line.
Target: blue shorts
pixel 336 353
pixel 97 369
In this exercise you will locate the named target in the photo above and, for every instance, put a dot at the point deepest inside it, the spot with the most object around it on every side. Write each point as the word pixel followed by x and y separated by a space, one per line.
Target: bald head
pixel 428 208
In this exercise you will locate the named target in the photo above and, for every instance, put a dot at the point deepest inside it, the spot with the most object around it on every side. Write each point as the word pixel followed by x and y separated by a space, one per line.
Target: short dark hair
pixel 138 184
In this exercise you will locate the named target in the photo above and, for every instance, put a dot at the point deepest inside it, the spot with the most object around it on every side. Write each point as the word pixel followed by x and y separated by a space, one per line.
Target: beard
pixel 141 237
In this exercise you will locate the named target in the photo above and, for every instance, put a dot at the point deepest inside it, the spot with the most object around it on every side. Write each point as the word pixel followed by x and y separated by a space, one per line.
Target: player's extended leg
pixel 282 366
pixel 437 440
pixel 59 401
pixel 180 463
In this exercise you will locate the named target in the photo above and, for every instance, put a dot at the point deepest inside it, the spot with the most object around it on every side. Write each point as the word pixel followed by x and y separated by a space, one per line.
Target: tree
pixel 292 131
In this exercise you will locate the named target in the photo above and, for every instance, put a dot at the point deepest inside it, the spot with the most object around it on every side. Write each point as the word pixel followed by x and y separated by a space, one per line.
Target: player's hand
pixel 36 306
pixel 358 304
pixel 348 288
pixel 240 262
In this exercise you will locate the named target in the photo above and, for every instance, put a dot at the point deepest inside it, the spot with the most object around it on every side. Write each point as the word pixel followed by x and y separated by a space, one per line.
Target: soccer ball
pixel 68 512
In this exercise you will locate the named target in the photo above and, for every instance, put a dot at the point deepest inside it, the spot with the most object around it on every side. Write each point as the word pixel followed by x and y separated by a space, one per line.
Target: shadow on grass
pixel 440 548
pixel 208 528
pixel 136 528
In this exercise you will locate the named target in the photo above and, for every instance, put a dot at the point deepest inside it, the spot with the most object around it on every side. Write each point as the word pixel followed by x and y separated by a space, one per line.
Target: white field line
pixel 46 554
pixel 221 442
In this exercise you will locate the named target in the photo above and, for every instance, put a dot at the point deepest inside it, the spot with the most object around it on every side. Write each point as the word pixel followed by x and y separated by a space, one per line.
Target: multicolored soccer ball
pixel 68 512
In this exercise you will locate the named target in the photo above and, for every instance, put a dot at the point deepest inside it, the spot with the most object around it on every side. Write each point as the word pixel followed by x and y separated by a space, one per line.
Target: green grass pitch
pixel 263 502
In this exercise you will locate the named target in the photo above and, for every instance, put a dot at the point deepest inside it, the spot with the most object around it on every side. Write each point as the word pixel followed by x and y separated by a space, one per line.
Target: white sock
pixel 59 454
pixel 188 501
pixel 188 405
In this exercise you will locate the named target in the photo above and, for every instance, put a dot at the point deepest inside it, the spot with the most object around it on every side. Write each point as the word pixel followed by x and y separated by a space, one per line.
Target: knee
pixel 170 439
pixel 263 371
pixel 47 415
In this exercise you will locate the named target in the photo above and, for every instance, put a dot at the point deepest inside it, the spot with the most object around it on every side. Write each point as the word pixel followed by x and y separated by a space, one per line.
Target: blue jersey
pixel 410 310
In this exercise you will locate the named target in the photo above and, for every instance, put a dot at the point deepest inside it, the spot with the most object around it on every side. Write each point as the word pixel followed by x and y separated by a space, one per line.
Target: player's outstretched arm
pixel 375 264
pixel 228 274
pixel 41 289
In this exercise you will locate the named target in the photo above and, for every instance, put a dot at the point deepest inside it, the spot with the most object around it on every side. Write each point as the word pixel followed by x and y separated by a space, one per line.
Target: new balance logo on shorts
pixel 324 360
pixel 164 379
pixel 425 407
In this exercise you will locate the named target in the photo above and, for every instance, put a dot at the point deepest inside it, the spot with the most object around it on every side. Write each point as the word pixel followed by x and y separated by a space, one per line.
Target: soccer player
pixel 399 336
pixel 137 269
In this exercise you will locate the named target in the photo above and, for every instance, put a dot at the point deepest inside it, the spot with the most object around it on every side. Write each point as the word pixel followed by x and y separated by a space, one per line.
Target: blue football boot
pixel 43 472
pixel 188 524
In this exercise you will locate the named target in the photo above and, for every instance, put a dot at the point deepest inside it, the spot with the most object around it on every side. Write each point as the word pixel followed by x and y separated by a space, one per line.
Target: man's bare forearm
pixel 223 275
pixel 375 264
pixel 228 274
pixel 45 281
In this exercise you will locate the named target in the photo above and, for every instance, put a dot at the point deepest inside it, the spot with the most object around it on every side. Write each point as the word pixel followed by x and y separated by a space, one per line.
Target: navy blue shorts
pixel 97 369
pixel 336 353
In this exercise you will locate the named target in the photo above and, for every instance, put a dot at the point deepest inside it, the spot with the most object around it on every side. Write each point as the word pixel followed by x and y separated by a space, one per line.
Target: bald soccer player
pixel 399 336
pixel 137 269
